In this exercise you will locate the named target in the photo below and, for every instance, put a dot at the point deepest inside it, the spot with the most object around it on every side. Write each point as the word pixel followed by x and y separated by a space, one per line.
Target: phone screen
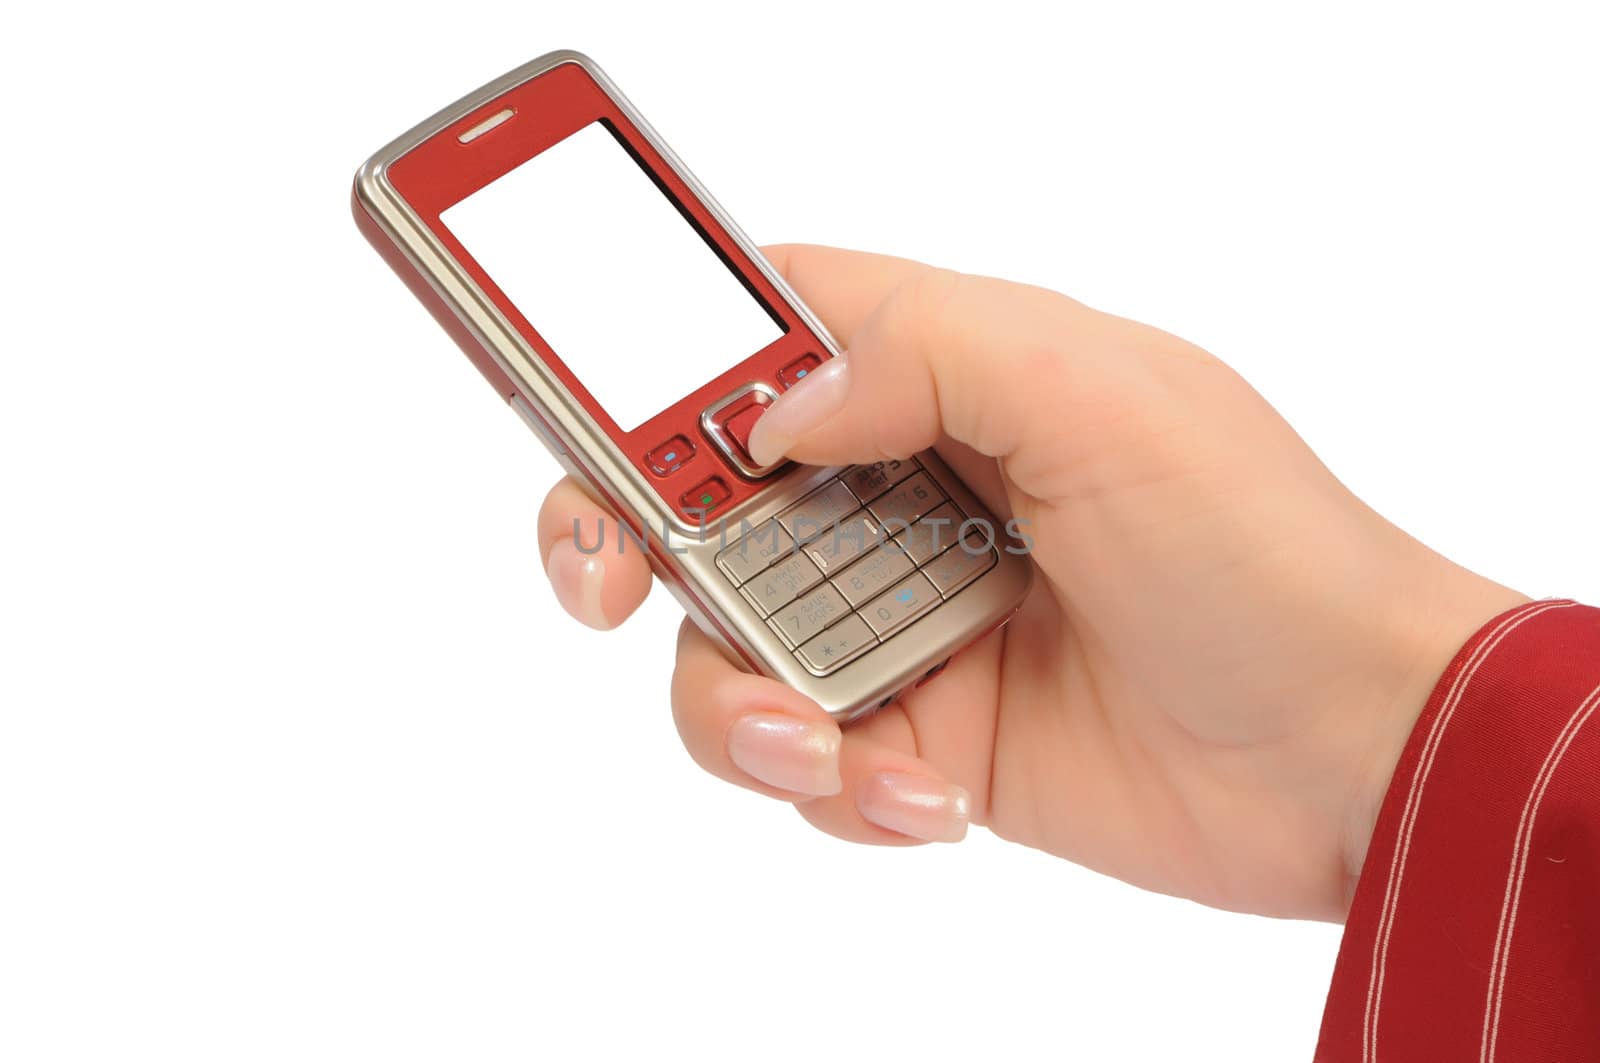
pixel 621 285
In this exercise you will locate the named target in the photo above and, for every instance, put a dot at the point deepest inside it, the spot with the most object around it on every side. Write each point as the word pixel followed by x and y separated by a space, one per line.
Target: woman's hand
pixel 1209 686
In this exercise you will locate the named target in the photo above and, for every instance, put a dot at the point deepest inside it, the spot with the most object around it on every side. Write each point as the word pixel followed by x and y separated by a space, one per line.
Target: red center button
pixel 739 425
pixel 728 423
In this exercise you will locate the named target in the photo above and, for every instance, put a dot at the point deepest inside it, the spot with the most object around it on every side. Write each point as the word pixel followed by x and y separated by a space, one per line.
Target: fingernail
pixel 578 579
pixel 788 753
pixel 915 806
pixel 801 409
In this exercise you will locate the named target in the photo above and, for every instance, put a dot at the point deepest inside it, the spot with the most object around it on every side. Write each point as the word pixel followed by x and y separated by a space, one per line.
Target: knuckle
pixel 922 302
pixel 908 337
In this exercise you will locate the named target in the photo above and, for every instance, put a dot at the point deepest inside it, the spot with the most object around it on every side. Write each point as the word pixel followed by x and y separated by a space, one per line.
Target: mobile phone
pixel 609 299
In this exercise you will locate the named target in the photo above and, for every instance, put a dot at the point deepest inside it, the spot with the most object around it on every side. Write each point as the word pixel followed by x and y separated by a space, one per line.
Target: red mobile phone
pixel 606 296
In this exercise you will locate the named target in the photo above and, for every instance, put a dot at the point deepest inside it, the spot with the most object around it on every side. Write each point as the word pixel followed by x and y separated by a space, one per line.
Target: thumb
pixel 1015 372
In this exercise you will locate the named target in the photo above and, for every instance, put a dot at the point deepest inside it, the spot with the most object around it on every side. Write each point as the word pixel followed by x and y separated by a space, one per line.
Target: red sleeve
pixel 1475 930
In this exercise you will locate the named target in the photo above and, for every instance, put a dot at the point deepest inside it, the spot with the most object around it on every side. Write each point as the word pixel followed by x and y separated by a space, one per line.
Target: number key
pixel 900 604
pixel 815 515
pixel 933 533
pixel 841 544
pixel 836 645
pixel 782 583
pixel 954 569
pixel 798 621
pixel 907 501
pixel 873 573
pixel 870 481
pixel 754 551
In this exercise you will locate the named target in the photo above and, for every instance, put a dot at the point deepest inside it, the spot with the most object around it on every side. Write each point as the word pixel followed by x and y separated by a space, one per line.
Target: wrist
pixel 1430 612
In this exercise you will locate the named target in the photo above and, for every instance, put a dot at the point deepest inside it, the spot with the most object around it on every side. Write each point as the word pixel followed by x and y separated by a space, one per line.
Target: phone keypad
pixel 855 562
pixel 876 572
pixel 754 551
pixel 954 569
pixel 838 645
pixel 818 510
pixel 906 501
pixel 835 546
pixel 904 602
pixel 867 482
pixel 782 583
pixel 933 534
pixel 804 617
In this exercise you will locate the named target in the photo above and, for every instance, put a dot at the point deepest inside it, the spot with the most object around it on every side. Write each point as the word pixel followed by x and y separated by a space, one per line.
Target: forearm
pixel 1475 928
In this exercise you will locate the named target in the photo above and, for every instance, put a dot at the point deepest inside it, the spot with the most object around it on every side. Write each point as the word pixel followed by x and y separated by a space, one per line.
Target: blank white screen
pixel 620 285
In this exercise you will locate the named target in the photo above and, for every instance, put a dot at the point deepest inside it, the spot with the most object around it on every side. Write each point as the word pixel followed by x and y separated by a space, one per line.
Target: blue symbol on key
pixel 905 595
pixel 800 373
pixel 671 455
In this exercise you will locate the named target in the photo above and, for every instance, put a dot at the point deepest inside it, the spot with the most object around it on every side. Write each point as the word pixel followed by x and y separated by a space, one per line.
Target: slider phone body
pixel 608 298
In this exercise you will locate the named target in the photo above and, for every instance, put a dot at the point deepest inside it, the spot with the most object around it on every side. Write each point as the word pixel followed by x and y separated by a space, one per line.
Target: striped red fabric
pixel 1475 929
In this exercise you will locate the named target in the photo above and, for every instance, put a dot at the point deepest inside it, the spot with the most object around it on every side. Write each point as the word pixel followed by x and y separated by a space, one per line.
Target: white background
pixel 298 757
